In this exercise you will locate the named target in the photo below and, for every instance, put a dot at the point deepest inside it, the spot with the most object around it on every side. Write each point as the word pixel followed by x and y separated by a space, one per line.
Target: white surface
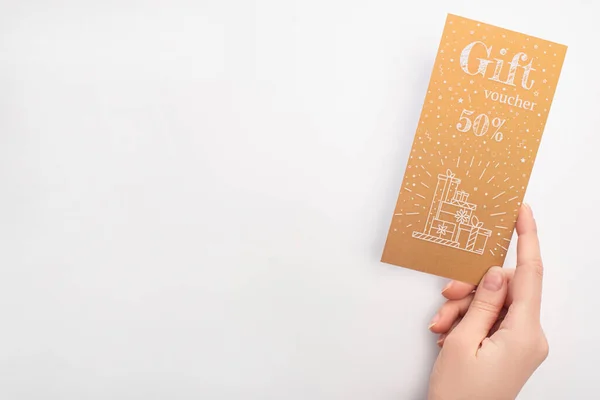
pixel 195 196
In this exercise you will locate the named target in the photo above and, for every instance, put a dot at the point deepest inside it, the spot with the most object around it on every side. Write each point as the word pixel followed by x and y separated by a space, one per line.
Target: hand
pixel 492 340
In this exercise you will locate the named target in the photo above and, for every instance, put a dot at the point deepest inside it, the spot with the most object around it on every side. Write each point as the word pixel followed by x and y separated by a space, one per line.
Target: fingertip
pixel 448 286
pixel 441 339
pixel 525 221
pixel 456 290
pixel 494 279
pixel 442 323
pixel 448 314
pixel 434 322
pixel 525 210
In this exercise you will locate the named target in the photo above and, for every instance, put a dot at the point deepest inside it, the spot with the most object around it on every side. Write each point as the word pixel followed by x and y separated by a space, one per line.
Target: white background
pixel 195 197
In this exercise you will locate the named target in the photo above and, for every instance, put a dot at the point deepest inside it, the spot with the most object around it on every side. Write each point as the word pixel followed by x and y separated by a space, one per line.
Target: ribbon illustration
pixel 475 223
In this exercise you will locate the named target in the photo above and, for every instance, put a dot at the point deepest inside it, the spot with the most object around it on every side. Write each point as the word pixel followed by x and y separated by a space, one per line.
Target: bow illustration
pixel 475 223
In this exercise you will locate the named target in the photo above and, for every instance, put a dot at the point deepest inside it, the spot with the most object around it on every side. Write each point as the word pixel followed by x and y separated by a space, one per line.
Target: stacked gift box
pixel 451 220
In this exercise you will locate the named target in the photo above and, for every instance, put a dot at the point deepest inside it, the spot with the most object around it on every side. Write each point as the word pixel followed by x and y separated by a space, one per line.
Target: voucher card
pixel 481 124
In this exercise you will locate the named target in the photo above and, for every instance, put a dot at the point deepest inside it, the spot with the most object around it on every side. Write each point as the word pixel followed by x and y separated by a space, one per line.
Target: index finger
pixel 456 290
pixel 527 282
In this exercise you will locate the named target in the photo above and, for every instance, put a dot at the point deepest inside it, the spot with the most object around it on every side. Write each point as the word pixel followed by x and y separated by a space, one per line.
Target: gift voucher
pixel 477 138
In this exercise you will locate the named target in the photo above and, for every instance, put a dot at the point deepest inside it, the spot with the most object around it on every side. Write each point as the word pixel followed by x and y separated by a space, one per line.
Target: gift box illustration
pixel 451 221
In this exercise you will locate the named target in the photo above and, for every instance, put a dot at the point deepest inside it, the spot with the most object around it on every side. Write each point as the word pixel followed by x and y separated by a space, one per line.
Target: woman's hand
pixel 491 339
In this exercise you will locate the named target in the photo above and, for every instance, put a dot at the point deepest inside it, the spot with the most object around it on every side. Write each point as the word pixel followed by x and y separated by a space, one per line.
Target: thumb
pixel 484 309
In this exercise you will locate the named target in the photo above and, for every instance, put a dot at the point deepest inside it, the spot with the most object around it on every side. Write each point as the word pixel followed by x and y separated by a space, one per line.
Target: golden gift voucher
pixel 475 145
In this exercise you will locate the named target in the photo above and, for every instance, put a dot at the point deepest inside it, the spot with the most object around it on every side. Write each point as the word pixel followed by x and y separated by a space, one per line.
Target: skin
pixel 490 336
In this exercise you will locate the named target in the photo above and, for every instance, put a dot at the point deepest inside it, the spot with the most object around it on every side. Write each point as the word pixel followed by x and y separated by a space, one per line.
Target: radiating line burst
pixel 481 176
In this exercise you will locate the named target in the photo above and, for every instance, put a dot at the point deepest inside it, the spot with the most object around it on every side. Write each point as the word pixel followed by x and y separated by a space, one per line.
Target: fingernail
pixel 434 321
pixel 441 339
pixel 528 207
pixel 448 286
pixel 493 280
